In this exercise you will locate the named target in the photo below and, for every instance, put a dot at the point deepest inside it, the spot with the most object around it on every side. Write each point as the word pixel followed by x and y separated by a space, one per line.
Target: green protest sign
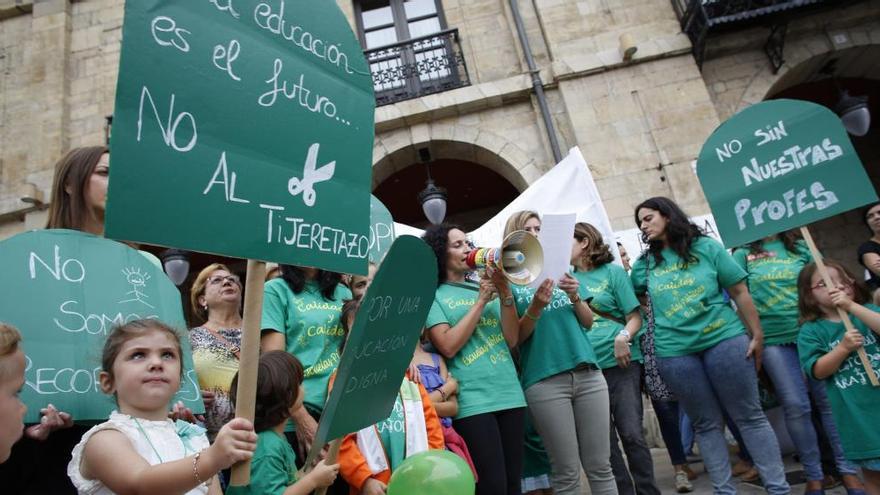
pixel 243 129
pixel 381 343
pixel 65 290
pixel 381 230
pixel 778 165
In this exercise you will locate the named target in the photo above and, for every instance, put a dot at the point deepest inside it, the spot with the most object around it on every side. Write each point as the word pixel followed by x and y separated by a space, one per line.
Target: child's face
pixel 360 283
pixel 820 291
pixel 146 374
pixel 11 408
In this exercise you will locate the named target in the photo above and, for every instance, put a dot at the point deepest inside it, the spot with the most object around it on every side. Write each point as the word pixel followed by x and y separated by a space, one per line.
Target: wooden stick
pixel 844 316
pixel 332 454
pixel 249 358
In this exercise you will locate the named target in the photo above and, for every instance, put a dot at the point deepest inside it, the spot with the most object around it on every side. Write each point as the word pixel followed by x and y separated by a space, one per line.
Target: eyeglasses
pixel 217 279
pixel 821 284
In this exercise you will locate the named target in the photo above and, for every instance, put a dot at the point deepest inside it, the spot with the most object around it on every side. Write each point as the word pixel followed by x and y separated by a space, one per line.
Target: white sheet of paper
pixel 557 232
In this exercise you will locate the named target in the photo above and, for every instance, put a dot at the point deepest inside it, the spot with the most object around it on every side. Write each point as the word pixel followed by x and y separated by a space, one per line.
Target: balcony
pixel 700 19
pixel 417 67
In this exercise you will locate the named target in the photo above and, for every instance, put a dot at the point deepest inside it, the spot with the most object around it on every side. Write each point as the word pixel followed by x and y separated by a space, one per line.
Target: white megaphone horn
pixel 520 258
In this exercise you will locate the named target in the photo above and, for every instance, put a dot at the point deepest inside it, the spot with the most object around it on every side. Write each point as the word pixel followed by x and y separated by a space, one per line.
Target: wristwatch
pixel 507 301
pixel 625 333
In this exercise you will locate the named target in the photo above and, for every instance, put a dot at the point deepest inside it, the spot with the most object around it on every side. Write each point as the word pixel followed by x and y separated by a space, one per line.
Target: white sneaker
pixel 682 483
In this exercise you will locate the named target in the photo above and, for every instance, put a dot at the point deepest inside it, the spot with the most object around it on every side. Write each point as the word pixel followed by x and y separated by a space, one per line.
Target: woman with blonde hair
pixel 566 393
pixel 616 321
pixel 216 300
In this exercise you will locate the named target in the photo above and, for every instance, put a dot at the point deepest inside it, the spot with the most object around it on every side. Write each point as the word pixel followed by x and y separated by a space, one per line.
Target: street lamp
pixel 176 264
pixel 433 201
pixel 854 113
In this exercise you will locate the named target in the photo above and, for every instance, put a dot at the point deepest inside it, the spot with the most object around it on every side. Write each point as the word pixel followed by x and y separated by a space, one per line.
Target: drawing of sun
pixel 136 277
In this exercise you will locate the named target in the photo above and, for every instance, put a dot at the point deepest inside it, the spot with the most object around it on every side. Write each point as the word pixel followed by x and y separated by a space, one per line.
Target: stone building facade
pixel 640 123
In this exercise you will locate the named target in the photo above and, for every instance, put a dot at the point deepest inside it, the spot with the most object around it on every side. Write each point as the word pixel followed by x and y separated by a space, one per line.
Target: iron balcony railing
pixel 699 18
pixel 417 67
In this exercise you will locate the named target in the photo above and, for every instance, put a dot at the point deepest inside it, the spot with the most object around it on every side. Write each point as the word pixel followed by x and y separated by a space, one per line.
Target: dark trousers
pixel 625 399
pixel 493 437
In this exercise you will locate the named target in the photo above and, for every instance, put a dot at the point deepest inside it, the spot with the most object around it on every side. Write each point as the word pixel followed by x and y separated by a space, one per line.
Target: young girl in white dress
pixel 140 450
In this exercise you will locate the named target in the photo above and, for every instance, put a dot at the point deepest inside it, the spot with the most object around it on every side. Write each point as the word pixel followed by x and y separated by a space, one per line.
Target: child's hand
pixel 840 299
pixel 374 487
pixel 852 340
pixel 451 384
pixel 323 474
pixel 235 442
pixel 51 420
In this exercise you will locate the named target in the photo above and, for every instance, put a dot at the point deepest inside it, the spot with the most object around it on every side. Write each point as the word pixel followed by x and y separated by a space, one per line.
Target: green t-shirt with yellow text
pixel 558 343
pixel 773 283
pixel 690 310
pixel 854 401
pixel 483 366
pixel 612 294
pixel 312 331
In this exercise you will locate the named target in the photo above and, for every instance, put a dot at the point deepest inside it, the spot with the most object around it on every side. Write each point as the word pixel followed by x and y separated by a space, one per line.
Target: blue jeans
pixel 717 377
pixel 823 407
pixel 782 366
pixel 668 413
pixel 687 434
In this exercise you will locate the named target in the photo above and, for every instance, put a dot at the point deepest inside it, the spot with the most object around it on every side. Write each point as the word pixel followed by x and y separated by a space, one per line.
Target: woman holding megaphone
pixel 565 390
pixel 474 330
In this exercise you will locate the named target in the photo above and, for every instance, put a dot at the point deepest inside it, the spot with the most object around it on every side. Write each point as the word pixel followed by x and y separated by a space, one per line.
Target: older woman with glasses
pixel 216 300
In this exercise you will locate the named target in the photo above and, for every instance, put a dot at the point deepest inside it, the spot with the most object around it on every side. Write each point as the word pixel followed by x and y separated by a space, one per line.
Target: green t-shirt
pixel 690 310
pixel 311 329
pixel 612 294
pixel 559 342
pixel 854 401
pixel 483 367
pixel 536 462
pixel 273 467
pixel 773 283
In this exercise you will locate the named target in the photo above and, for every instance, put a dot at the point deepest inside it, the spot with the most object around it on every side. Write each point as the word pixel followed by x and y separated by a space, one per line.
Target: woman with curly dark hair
pixel 474 331
pixel 703 352
pixel 301 311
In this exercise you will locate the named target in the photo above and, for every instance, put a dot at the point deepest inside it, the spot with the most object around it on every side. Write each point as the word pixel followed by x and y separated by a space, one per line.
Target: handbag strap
pixel 607 315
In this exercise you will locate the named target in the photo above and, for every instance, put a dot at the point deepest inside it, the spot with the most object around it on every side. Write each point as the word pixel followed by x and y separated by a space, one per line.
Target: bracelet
pixel 529 316
pixel 442 394
pixel 577 299
pixel 196 470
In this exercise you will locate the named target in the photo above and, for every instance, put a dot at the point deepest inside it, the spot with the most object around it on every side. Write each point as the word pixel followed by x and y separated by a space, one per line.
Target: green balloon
pixel 434 472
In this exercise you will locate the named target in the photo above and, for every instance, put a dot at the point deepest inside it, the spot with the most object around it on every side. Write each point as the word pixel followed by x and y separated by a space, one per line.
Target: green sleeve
pixel 740 256
pixel 638 275
pixel 809 346
pixel 729 272
pixel 274 307
pixel 436 315
pixel 623 291
pixel 269 474
pixel 804 252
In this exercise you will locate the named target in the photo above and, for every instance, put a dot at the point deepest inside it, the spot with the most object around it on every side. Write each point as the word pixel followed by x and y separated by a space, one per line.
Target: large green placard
pixel 381 343
pixel 243 129
pixel 65 290
pixel 779 165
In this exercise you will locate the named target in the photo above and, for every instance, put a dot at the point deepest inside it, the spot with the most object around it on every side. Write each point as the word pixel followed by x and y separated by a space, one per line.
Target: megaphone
pixel 520 258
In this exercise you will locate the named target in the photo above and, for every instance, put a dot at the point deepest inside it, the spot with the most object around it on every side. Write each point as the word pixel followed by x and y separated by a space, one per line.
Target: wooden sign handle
pixel 311 460
pixel 844 316
pixel 249 358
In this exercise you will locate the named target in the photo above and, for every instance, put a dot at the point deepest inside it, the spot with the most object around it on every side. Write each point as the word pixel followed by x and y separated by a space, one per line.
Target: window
pixel 407 46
